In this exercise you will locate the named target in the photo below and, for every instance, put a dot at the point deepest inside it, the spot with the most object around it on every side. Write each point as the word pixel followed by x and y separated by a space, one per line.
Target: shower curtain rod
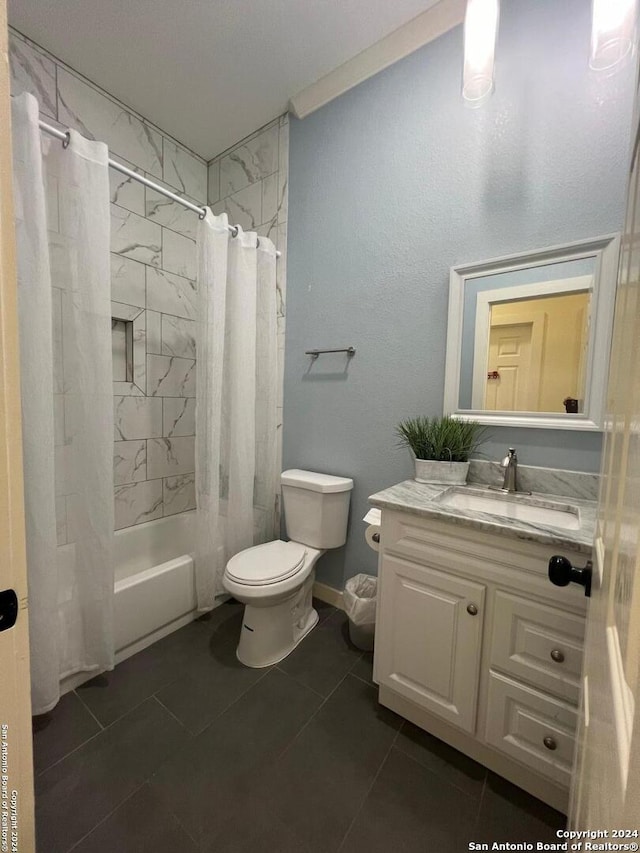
pixel 64 136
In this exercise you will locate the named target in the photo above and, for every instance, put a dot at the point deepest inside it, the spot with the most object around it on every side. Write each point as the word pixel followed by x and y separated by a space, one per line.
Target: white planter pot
pixel 441 473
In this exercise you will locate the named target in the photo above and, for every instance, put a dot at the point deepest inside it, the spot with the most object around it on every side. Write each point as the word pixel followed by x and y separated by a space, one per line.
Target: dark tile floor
pixel 183 749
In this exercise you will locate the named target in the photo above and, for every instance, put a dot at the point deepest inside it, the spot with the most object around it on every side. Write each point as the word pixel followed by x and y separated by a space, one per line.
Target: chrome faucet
pixel 510 482
pixel 510 465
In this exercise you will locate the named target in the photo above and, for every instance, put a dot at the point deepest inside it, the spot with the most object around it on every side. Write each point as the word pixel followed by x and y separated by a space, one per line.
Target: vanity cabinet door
pixel 428 638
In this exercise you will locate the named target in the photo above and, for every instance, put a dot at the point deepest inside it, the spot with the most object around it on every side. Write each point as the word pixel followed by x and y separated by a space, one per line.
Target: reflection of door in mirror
pixel 537 353
pixel 513 373
pixel 528 337
pixel 531 348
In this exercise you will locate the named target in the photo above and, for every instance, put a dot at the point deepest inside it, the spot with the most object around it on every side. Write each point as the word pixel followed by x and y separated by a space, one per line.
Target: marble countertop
pixel 422 499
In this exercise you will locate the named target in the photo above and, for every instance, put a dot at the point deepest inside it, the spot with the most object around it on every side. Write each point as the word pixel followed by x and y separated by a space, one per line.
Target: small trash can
pixel 360 595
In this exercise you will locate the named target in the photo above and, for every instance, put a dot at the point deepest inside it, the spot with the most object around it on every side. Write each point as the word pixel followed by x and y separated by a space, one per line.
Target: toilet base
pixel 271 633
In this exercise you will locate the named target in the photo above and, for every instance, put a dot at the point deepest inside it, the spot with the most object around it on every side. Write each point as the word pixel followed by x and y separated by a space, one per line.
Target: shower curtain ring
pixel 203 213
pixel 234 230
pixel 67 139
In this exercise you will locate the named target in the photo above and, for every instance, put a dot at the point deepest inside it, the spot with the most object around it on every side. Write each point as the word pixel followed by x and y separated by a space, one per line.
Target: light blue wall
pixel 394 183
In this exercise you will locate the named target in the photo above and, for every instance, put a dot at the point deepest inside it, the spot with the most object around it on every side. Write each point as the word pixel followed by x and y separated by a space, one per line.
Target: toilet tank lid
pixel 315 482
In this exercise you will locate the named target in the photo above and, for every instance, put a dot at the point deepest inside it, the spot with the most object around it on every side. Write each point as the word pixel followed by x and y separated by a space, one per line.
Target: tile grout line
pixel 370 788
pixel 480 802
pixel 312 717
pixel 293 678
pixel 363 680
pixel 434 772
pixel 297 680
pixel 105 818
pixel 169 711
pixel 74 750
pixel 84 705
pixel 230 705
pixel 218 715
pixel 79 746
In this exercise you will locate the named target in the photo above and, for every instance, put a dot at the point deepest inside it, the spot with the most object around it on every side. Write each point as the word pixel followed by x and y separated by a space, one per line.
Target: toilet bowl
pixel 275 580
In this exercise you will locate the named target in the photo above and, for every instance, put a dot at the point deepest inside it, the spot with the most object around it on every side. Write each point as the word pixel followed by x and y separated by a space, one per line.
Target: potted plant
pixel 441 447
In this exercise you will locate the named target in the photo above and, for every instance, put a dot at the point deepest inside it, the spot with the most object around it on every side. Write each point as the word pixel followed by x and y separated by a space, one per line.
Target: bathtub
pixel 155 590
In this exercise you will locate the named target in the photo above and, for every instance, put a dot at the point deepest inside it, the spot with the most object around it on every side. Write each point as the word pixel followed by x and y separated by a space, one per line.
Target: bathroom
pixel 208 698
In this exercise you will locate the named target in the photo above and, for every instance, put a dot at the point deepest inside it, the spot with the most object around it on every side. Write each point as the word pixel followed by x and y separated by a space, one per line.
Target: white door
pixel 422 604
pixel 511 390
pixel 606 783
pixel 16 770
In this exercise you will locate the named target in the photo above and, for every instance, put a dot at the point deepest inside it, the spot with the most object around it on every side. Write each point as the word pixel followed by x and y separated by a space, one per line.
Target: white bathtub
pixel 154 581
pixel 155 591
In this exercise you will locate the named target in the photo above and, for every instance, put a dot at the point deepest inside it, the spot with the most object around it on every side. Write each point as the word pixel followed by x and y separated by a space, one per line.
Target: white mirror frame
pixel 605 250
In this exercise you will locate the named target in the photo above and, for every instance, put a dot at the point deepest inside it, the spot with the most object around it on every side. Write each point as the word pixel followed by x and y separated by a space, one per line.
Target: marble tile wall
pixel 250 182
pixel 153 270
pixel 152 286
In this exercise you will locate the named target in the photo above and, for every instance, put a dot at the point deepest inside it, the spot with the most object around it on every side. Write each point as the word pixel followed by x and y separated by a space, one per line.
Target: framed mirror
pixel 529 336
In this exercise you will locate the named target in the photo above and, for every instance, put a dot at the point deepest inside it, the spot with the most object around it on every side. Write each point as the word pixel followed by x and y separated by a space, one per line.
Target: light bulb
pixel 613 33
pixel 480 33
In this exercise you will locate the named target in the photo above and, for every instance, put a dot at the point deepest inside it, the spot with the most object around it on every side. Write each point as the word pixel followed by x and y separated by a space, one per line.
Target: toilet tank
pixel 316 507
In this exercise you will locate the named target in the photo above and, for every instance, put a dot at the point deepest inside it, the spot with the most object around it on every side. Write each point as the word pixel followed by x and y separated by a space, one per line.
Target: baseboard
pixel 328 594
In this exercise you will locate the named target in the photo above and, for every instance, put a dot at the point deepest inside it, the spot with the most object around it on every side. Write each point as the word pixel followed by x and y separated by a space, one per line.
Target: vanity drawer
pixel 538 643
pixel 531 727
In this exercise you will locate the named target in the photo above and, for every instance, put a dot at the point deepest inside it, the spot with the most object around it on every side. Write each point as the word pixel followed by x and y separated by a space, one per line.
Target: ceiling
pixel 208 73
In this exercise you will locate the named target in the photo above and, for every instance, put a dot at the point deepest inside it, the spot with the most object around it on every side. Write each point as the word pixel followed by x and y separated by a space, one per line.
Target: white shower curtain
pixel 236 398
pixel 62 225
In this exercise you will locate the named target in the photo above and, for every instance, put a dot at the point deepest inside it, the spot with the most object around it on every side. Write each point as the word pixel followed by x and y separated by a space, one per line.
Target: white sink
pixel 519 508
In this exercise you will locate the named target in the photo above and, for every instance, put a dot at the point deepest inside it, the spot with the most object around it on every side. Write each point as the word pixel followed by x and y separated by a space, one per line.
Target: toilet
pixel 275 580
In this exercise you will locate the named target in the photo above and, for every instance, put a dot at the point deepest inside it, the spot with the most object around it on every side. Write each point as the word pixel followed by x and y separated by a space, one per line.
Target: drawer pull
pixel 472 610
pixel 557 656
pixel 550 743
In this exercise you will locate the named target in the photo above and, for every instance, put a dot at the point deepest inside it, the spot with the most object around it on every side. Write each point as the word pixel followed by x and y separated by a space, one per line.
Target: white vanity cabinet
pixel 476 646
pixel 428 645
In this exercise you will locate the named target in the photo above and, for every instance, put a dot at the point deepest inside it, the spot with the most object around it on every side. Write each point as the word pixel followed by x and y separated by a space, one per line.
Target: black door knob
pixel 8 609
pixel 562 573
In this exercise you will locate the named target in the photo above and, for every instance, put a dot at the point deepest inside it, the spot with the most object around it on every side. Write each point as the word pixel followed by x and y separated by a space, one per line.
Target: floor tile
pixel 320 782
pixel 139 825
pixel 113 694
pixel 255 829
pixel 442 759
pixel 323 609
pixel 508 813
pixel 79 791
pixel 221 767
pixel 411 809
pixel 225 622
pixel 363 667
pixel 324 657
pixel 209 683
pixel 60 731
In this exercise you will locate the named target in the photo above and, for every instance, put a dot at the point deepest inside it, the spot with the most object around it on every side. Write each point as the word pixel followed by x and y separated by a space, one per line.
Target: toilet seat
pixel 266 564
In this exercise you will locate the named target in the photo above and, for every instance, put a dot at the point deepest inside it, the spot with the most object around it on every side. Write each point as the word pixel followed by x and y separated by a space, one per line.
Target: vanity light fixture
pixel 480 34
pixel 613 33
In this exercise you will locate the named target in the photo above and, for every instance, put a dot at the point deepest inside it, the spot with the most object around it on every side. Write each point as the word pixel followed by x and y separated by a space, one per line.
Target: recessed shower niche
pixel 122 350
pixel 128 339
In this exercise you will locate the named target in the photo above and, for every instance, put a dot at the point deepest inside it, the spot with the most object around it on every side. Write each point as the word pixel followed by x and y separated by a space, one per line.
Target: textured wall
pixel 153 273
pixel 394 183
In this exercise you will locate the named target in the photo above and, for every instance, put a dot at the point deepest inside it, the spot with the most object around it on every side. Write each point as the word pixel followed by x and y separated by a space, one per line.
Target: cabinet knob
pixel 550 743
pixel 557 656
pixel 472 610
